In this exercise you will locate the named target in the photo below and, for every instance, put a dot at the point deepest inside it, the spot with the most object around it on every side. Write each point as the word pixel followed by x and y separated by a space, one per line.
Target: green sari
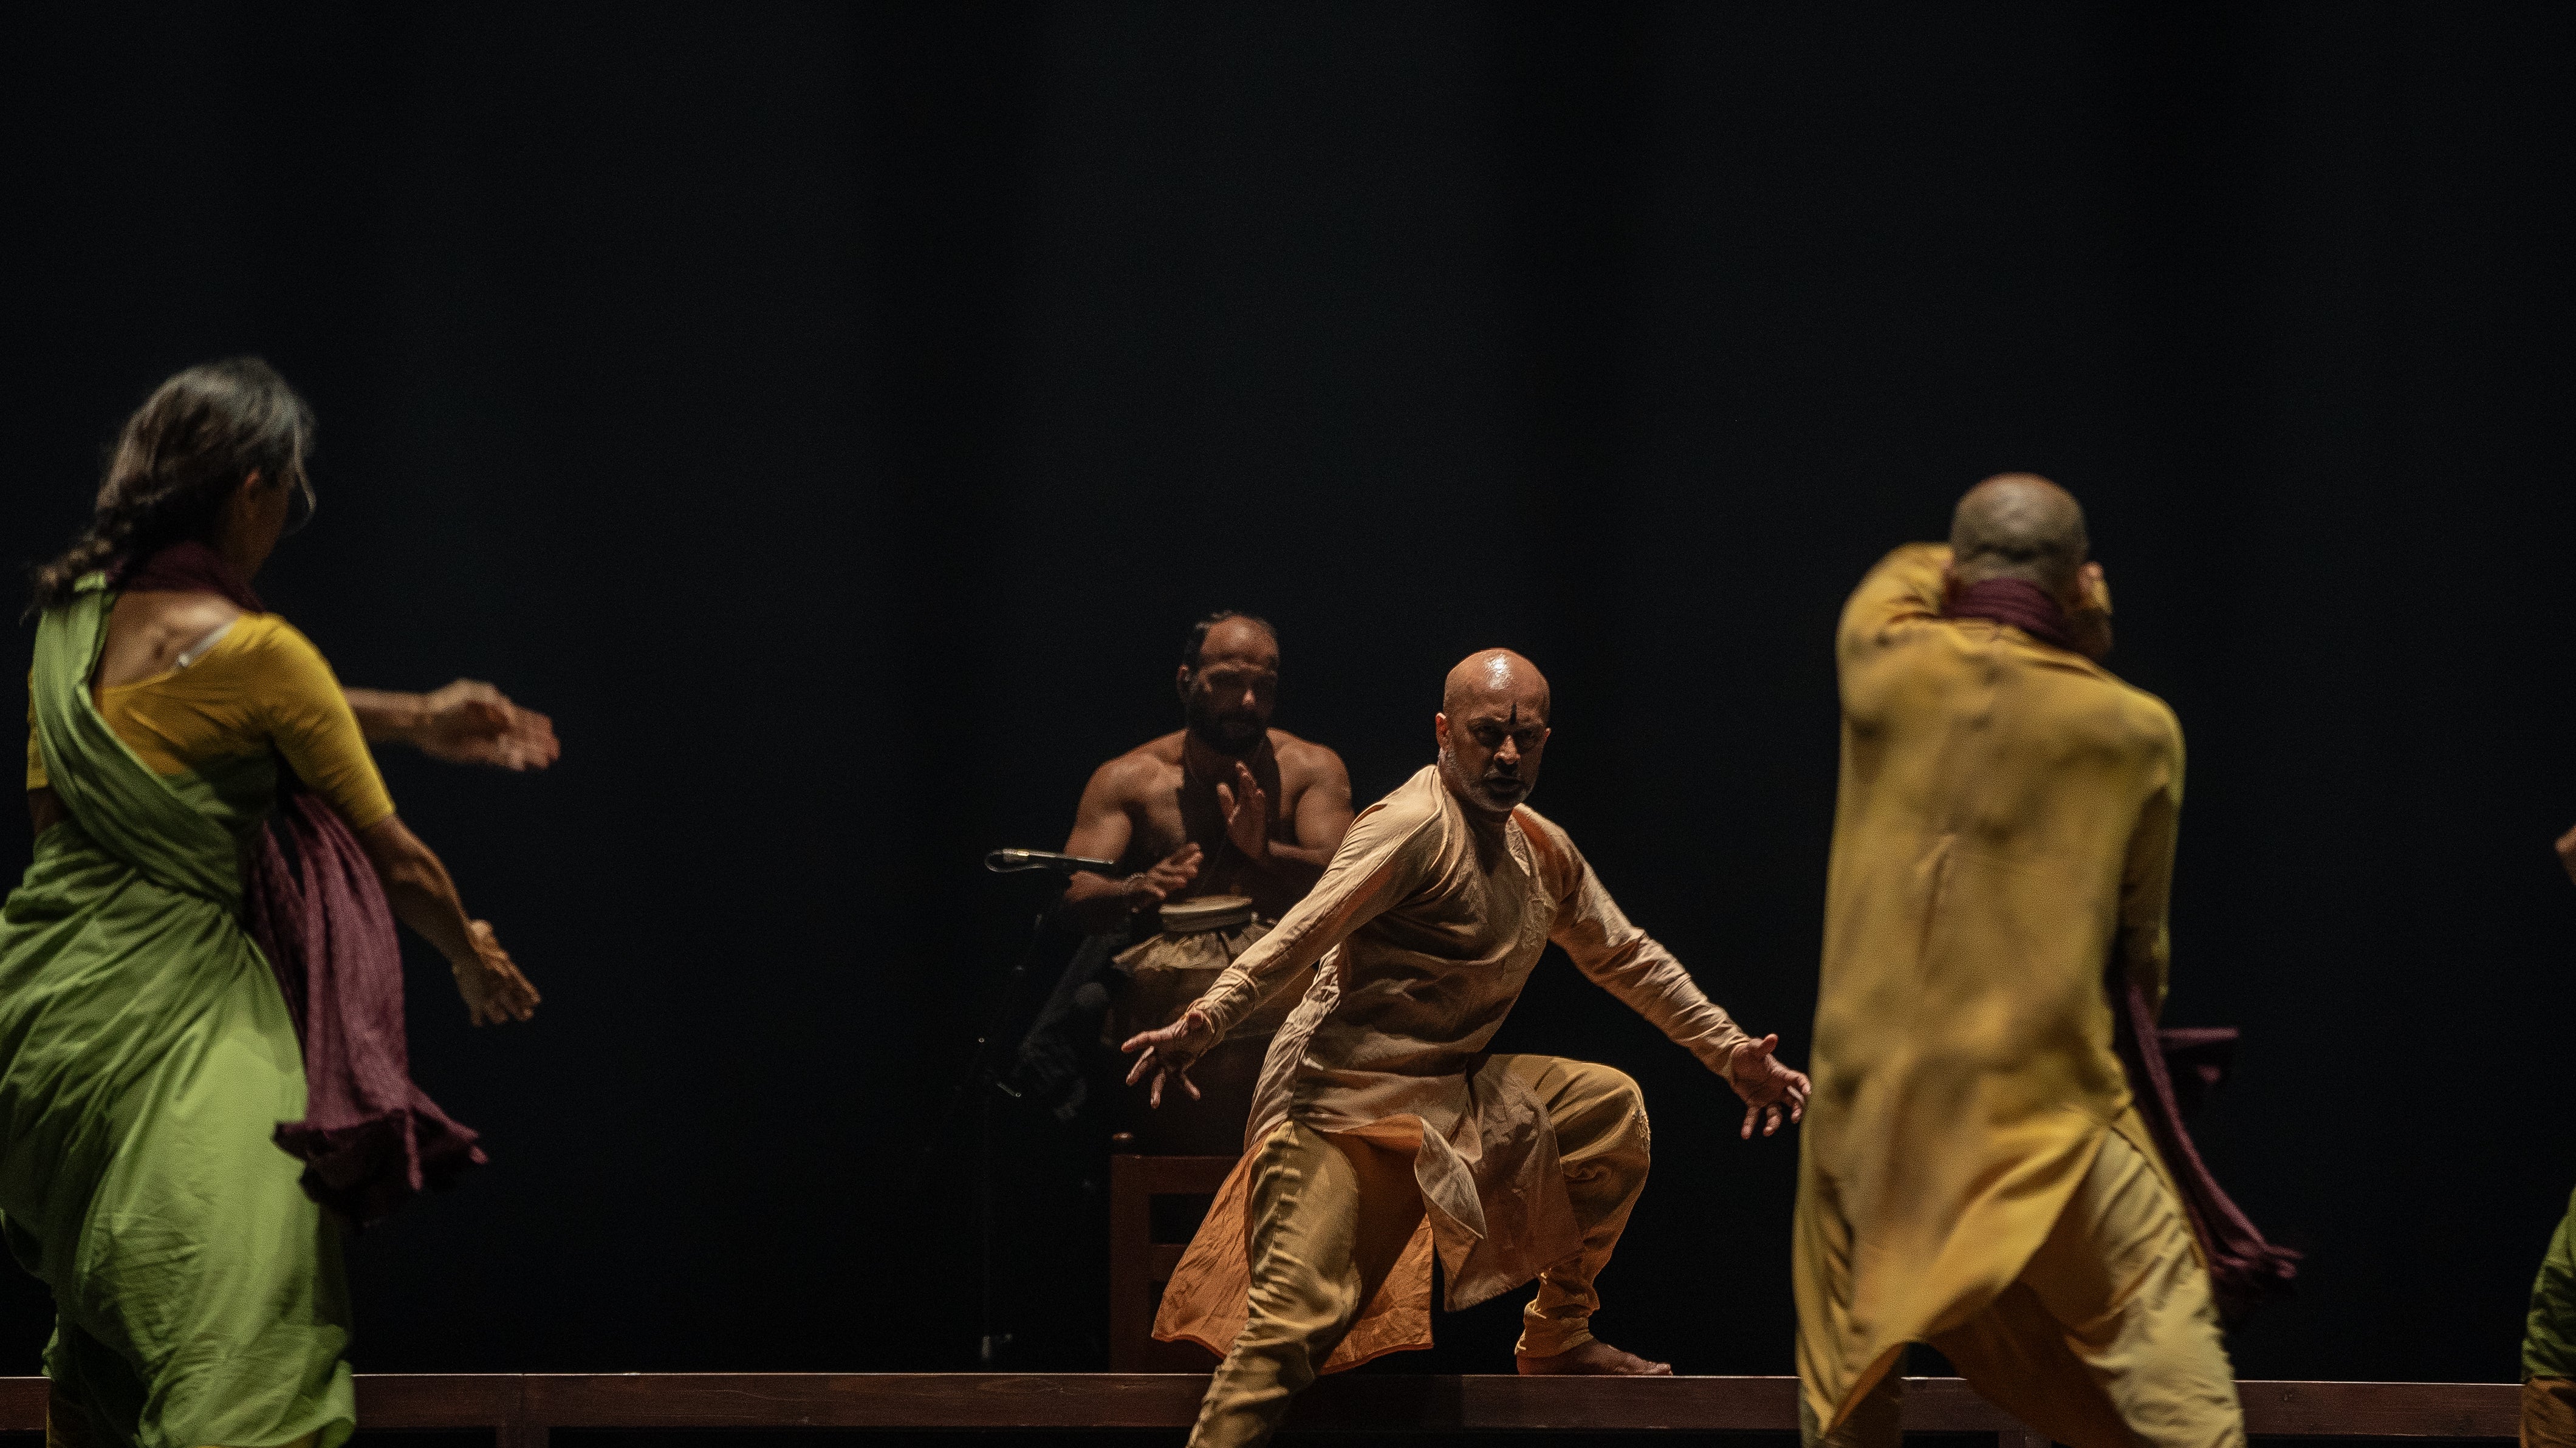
pixel 146 1060
pixel 2549 1336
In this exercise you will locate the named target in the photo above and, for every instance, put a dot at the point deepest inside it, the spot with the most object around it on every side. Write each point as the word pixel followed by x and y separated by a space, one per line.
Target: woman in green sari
pixel 152 1080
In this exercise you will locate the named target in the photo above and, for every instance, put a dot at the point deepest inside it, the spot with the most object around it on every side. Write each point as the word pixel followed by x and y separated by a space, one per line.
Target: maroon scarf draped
pixel 2024 605
pixel 2245 1269
pixel 310 898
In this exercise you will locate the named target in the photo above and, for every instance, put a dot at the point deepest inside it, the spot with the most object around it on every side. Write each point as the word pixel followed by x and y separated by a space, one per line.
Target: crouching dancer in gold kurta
pixel 1973 1174
pixel 1382 1132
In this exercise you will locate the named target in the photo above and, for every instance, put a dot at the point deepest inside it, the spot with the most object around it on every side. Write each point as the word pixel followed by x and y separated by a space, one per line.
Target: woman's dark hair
pixel 179 458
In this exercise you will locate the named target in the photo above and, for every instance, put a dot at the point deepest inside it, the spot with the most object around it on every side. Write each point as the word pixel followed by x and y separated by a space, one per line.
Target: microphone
pixel 1012 862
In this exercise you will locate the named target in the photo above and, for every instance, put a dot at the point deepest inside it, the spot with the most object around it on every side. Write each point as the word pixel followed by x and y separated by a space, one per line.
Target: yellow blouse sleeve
pixel 306 716
pixel 36 779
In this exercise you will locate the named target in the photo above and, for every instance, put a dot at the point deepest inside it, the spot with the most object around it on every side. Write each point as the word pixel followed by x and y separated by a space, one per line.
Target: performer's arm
pixel 1382 861
pixel 467 722
pixel 1630 964
pixel 1101 831
pixel 424 897
pixel 306 714
pixel 1323 817
pixel 1908 588
pixel 2146 882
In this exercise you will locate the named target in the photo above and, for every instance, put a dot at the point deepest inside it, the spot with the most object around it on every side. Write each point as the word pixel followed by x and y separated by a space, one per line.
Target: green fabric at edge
pixel 2549 1339
pixel 146 1058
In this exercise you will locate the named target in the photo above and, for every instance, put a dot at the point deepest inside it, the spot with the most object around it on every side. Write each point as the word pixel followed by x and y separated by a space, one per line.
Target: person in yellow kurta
pixel 1382 1131
pixel 1973 1174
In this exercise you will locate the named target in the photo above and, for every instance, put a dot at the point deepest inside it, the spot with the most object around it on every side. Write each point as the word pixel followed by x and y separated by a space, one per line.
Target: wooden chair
pixel 1141 1260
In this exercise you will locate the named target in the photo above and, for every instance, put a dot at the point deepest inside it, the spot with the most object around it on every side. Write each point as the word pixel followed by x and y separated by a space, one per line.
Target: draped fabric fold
pixel 370 1136
pixel 147 1056
pixel 2245 1269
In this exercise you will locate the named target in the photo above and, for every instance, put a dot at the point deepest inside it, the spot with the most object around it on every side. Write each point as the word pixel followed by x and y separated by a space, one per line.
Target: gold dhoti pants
pixel 1330 1215
pixel 2549 1413
pixel 2108 1338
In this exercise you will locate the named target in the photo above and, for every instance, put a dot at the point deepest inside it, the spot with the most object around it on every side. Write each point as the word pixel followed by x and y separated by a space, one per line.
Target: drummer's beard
pixel 1231 732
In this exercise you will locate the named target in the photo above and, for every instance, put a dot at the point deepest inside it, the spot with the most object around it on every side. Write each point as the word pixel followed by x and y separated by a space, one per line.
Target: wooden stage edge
pixel 521 1409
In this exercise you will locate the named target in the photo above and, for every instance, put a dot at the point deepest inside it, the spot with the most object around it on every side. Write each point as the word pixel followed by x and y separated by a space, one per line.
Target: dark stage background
pixel 833 416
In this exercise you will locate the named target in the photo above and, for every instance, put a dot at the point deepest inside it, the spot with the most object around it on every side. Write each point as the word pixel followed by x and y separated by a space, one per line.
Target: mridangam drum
pixel 1199 939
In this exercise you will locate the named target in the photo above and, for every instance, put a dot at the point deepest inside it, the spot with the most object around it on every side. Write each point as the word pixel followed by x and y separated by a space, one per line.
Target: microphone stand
pixel 985 1078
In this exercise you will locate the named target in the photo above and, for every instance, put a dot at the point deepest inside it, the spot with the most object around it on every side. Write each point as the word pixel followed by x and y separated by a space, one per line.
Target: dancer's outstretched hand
pixel 470 722
pixel 2567 852
pixel 493 988
pixel 1766 1086
pixel 1170 1052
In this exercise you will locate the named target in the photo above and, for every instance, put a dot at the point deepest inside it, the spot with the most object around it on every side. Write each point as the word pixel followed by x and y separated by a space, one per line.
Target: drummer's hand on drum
pixel 1247 814
pixel 1170 1052
pixel 1168 877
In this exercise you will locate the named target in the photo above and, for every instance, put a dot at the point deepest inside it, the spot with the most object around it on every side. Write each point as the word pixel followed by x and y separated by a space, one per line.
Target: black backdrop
pixel 833 416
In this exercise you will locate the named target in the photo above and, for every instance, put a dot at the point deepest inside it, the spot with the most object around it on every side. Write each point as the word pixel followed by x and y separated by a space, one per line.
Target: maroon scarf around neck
pixel 2024 605
pixel 188 568
pixel 310 897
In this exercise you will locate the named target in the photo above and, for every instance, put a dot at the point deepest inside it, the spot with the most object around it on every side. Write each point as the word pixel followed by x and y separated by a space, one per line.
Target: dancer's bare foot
pixel 1595 1359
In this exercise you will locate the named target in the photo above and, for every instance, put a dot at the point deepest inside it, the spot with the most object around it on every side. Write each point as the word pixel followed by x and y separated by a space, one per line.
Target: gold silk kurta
pixel 2005 830
pixel 1425 926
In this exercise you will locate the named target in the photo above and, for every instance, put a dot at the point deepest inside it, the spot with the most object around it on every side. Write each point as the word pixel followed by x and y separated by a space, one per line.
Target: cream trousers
pixel 2108 1339
pixel 1330 1215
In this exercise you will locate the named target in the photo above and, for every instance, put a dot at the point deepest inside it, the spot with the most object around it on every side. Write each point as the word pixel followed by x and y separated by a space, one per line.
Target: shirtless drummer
pixel 1193 812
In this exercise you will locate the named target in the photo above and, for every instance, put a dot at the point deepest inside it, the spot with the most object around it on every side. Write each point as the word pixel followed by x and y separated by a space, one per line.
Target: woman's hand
pixel 1766 1085
pixel 490 981
pixel 1170 1052
pixel 470 722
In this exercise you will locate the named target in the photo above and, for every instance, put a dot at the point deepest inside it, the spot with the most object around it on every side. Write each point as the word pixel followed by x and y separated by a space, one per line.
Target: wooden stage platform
pixel 522 1409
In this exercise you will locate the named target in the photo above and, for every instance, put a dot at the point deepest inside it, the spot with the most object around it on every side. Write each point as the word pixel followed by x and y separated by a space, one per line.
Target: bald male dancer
pixel 1973 1173
pixel 1382 1131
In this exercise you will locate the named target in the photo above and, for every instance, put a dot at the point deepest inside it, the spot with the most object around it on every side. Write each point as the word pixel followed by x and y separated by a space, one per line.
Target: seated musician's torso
pixel 1167 808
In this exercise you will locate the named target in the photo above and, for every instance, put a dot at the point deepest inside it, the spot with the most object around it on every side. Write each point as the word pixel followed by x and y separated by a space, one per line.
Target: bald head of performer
pixel 2021 525
pixel 1492 728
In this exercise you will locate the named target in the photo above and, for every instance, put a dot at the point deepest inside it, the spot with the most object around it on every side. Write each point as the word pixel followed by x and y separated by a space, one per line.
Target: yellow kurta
pixel 1425 926
pixel 2005 830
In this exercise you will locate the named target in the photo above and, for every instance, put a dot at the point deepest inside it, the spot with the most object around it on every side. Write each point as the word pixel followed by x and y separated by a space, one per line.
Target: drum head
pixel 1208 912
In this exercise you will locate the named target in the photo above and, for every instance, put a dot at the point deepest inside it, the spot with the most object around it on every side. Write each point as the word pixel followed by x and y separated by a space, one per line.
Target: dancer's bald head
pixel 2019 525
pixel 1492 728
pixel 1498 675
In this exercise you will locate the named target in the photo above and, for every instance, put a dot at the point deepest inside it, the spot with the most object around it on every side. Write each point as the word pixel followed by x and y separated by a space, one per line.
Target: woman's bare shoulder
pixel 146 632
